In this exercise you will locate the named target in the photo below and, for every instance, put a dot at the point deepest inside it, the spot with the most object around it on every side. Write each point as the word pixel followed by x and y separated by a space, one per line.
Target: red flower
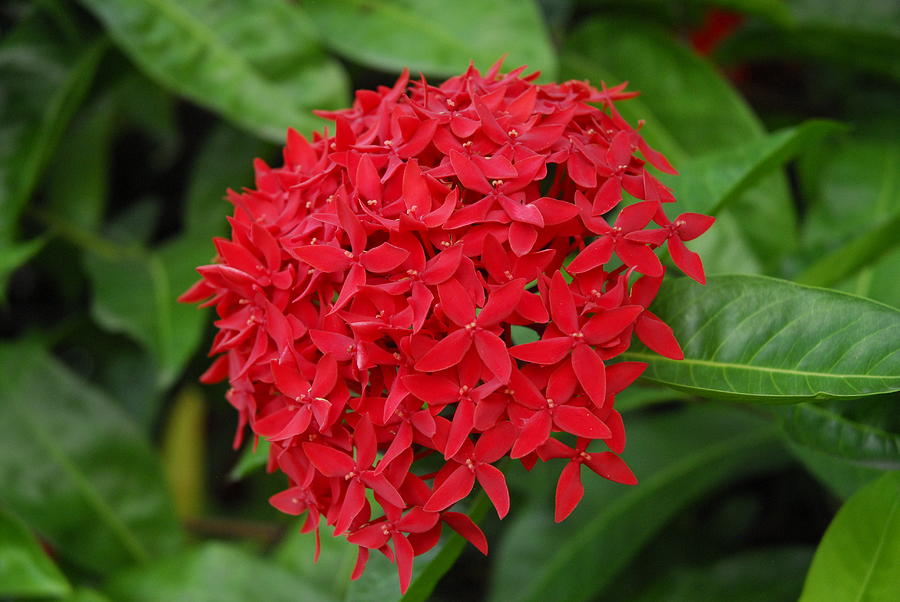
pixel 368 292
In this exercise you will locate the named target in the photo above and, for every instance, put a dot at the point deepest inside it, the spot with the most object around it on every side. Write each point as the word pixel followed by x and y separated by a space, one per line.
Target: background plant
pixel 122 123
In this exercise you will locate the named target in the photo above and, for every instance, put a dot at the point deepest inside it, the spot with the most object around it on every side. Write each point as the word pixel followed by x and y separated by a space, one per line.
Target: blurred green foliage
pixel 123 122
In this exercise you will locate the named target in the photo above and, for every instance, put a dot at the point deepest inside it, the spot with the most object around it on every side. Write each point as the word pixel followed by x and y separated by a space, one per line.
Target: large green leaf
pixel 678 457
pixel 770 574
pixel 826 430
pixel 690 110
pixel 760 339
pixel 858 557
pixel 43 82
pixel 436 37
pixel 25 569
pixel 212 572
pixel 855 197
pixel 841 476
pixel 255 61
pixel 135 289
pixel 710 181
pixel 75 468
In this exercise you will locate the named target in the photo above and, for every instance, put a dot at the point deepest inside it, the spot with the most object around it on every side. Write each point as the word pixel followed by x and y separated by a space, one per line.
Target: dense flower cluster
pixel 374 288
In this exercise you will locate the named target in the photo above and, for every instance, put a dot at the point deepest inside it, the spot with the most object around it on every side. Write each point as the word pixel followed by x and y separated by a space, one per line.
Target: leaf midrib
pixel 875 557
pixel 766 369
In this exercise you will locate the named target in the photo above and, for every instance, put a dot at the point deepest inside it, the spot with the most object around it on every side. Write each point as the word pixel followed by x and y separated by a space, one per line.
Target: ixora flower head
pixel 369 290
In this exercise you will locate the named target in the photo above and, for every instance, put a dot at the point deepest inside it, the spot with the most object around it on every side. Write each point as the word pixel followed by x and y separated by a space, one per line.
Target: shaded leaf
pixel 255 62
pixel 34 64
pixel 709 182
pixel 435 37
pixel 212 572
pixel 76 468
pixel 677 458
pixel 25 569
pixel 253 458
pixel 826 430
pixel 770 574
pixel 860 552
pixel 841 476
pixel 759 339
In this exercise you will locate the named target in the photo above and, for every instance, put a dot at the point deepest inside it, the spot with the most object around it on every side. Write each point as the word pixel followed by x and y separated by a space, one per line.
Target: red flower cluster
pixel 369 291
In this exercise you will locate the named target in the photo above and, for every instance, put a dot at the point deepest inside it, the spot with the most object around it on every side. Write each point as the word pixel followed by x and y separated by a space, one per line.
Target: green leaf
pixel 255 62
pixel 75 468
pixel 83 594
pixel 678 457
pixel 770 574
pixel 331 574
pixel 826 430
pixel 841 476
pixel 25 569
pixel 854 198
pixel 759 339
pixel 860 552
pixel 690 111
pixel 854 256
pixel 43 82
pixel 435 37
pixel 711 181
pixel 253 458
pixel 212 572
pixel 640 395
pixel 135 289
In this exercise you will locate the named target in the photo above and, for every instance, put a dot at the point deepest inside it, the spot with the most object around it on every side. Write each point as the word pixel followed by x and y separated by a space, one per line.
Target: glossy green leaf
pixel 25 569
pixel 43 82
pixel 256 62
pixel 860 552
pixel 135 289
pixel 212 572
pixel 640 395
pixel 826 430
pixel 435 37
pixel 770 574
pixel 709 182
pixel 690 110
pixel 759 339
pixel 75 468
pixel 83 594
pixel 677 457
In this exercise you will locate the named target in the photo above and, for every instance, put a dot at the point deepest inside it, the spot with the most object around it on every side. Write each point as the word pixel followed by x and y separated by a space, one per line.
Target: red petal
pixel 372 536
pixel 469 175
pixel 591 373
pixel 657 335
pixel 323 257
pixel 400 443
pixel 460 427
pixel 436 390
pixel 608 196
pixel 333 343
pixel 493 444
pixel 463 525
pixel 562 305
pixel 354 501
pixel 695 224
pixel 329 461
pixel 494 484
pixel 501 302
pixel 546 351
pixel 619 376
pixel 448 352
pixel 689 262
pixel 592 256
pixel 457 486
pixel 580 422
pixel 640 257
pixel 610 466
pixel 404 553
pixel 569 491
pixel 456 302
pixel 636 216
pixel 609 324
pixel 534 434
pixel 384 258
